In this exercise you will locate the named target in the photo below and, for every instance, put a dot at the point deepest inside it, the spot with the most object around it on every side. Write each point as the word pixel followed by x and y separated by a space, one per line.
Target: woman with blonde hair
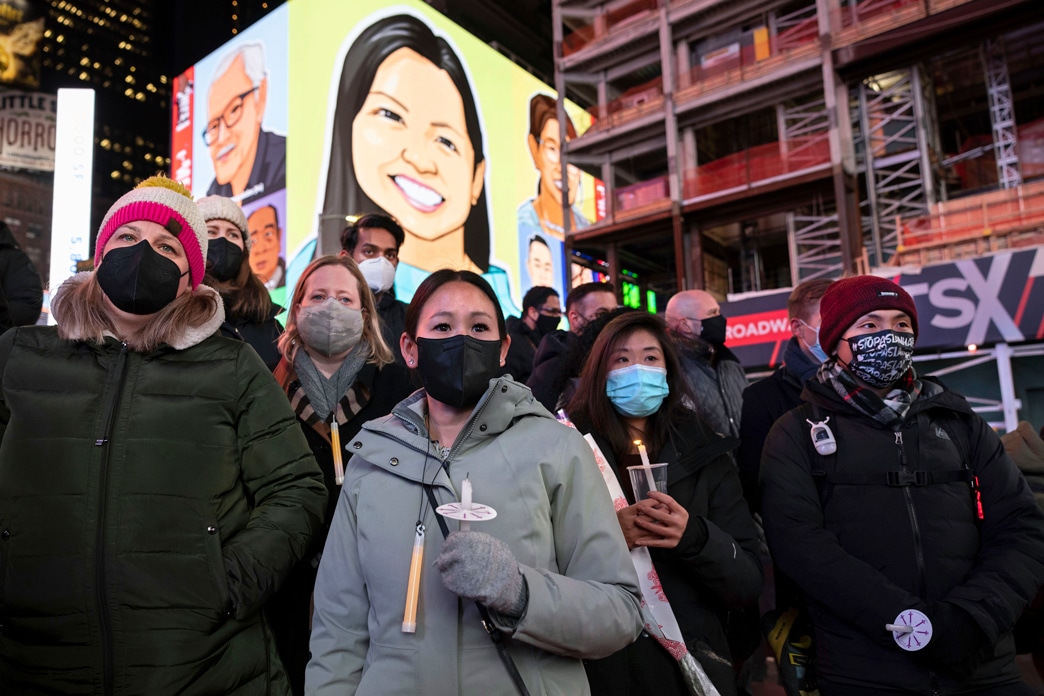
pixel 154 488
pixel 338 373
pixel 250 314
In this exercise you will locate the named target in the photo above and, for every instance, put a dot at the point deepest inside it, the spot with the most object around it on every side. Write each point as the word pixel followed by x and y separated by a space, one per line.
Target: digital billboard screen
pixel 385 108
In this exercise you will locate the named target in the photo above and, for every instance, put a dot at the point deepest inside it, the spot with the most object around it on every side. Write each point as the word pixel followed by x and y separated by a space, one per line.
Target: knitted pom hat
pixel 165 202
pixel 850 298
pixel 222 208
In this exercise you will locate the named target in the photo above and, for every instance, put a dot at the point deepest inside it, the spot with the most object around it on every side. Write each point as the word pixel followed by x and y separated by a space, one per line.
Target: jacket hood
pixel 180 338
pixel 504 403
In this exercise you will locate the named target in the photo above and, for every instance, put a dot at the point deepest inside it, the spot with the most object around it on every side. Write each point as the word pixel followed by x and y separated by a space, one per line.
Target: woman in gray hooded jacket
pixel 551 568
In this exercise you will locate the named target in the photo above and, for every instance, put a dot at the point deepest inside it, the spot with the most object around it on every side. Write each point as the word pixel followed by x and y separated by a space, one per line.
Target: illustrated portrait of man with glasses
pixel 542 215
pixel 249 162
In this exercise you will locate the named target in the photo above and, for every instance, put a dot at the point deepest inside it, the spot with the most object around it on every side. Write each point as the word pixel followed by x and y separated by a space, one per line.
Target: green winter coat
pixel 554 513
pixel 149 505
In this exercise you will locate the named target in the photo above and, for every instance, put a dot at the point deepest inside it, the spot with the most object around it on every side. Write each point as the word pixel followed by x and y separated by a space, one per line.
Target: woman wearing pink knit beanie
pixel 155 487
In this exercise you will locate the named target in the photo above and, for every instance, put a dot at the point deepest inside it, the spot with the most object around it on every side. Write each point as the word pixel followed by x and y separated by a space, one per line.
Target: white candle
pixel 649 480
pixel 465 503
pixel 642 453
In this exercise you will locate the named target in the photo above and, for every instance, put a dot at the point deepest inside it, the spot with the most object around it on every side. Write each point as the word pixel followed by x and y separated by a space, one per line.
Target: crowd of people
pixel 379 498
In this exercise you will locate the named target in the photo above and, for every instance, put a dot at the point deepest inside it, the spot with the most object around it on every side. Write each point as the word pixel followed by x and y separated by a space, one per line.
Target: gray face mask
pixel 330 328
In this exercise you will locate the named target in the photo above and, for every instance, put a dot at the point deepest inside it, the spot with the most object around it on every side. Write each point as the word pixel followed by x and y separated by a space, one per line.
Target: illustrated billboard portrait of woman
pixel 407 140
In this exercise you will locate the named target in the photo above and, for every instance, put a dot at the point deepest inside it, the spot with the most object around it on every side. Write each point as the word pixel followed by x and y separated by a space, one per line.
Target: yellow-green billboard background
pixel 319 37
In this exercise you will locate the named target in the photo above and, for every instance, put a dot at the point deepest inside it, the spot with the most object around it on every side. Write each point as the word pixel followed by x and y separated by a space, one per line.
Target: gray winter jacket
pixel 553 511
pixel 717 385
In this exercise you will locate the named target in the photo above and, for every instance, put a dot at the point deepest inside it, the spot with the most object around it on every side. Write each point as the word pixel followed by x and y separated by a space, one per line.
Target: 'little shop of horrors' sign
pixel 981 301
pixel 27 130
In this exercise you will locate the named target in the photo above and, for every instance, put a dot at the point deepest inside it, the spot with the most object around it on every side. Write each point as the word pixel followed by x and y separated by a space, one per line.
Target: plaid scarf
pixel 351 403
pixel 890 411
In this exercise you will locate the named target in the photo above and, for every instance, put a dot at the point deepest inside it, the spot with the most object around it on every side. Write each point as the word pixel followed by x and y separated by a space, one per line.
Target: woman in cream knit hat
pixel 250 314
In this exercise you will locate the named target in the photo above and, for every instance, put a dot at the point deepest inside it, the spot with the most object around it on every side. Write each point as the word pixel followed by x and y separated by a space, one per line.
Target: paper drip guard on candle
pixel 466 511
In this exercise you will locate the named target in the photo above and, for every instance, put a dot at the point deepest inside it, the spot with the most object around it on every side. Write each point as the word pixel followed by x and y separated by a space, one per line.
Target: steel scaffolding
pixel 814 238
pixel 1002 114
pixel 813 232
pixel 894 111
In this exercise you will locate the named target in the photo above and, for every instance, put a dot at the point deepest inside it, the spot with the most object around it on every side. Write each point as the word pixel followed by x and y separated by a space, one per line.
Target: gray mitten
pixel 481 567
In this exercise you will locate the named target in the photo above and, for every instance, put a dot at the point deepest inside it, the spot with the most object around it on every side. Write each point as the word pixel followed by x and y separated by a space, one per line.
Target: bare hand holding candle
pixel 647 477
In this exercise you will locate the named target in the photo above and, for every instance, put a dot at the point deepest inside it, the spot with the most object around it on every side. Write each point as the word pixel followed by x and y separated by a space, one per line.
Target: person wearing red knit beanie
pixel 913 539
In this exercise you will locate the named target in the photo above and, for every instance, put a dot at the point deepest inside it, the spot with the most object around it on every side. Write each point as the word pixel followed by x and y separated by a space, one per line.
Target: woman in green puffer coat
pixel 155 488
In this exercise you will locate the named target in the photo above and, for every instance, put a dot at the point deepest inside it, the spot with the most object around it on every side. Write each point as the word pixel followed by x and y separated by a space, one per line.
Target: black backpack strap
pixel 825 472
pixel 487 622
pixel 821 463
pixel 894 478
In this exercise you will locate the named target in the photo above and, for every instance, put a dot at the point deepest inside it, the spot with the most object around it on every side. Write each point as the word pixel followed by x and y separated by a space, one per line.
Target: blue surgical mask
pixel 815 348
pixel 637 390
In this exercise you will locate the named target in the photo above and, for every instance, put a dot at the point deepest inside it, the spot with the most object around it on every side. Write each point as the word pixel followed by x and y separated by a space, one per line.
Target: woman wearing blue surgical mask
pixel 699 533
pixel 549 571
pixel 338 373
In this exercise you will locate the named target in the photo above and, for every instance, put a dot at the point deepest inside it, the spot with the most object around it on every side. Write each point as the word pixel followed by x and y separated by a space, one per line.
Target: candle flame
pixel 638 442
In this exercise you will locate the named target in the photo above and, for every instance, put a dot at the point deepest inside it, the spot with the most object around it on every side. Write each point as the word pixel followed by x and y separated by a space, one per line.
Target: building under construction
pixel 749 145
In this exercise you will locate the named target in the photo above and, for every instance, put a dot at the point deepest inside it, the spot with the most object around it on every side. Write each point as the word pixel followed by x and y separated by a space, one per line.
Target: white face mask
pixel 379 273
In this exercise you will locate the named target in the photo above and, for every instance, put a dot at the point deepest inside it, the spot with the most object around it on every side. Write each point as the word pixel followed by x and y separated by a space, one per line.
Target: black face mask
pixel 881 358
pixel 546 324
pixel 224 259
pixel 138 279
pixel 457 370
pixel 713 330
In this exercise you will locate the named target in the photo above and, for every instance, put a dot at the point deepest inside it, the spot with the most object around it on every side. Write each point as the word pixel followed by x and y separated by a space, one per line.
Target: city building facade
pixel 749 145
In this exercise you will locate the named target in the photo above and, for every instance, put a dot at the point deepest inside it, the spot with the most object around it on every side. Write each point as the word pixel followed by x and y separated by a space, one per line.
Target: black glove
pixel 958 645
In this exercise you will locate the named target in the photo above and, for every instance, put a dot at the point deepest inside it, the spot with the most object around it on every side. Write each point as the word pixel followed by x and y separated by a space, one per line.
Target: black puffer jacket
pixel 393 323
pixel 21 292
pixel 717 380
pixel 863 552
pixel 547 364
pixel 260 335
pixel 522 352
pixel 764 402
pixel 703 583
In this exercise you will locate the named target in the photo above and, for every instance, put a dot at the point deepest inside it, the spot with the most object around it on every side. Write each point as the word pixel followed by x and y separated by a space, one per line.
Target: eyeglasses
pixel 554 154
pixel 551 311
pixel 230 116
